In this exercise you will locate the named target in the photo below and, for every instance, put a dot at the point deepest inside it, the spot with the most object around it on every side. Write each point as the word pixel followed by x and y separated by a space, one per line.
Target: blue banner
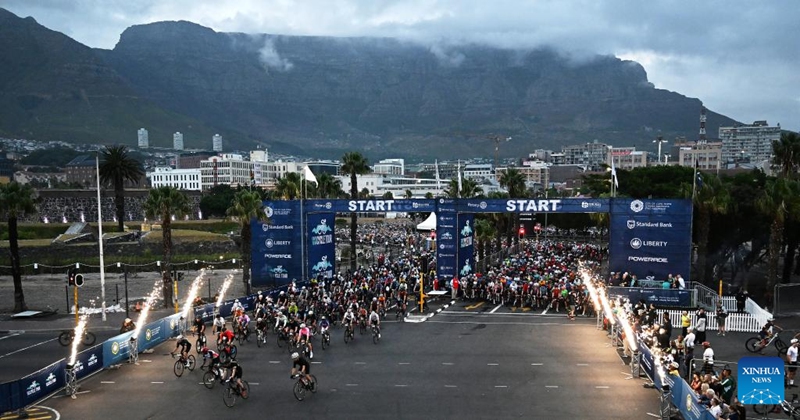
pixel 116 349
pixel 543 205
pixel 446 239
pixel 88 362
pixel 678 298
pixel 276 252
pixel 466 248
pixel 43 382
pixel 651 238
pixel 321 245
pixel 371 206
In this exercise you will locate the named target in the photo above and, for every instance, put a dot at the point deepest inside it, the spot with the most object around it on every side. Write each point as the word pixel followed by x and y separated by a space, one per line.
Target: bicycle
pixel 200 343
pixel 211 376
pixel 284 337
pixel 349 334
pixel 753 344
pixel 233 390
pixel 227 353
pixel 261 336
pixel 326 339
pixel 183 363
pixel 401 310
pixel 68 336
pixel 301 386
pixel 376 337
pixel 791 409
pixel 362 326
pixel 243 334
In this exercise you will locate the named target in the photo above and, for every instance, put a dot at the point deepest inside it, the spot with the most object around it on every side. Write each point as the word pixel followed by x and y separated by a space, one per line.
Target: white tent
pixel 429 224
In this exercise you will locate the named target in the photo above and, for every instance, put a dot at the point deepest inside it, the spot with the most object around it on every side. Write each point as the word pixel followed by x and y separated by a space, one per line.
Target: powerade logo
pixel 92 360
pixel 51 379
pixel 760 380
pixel 33 388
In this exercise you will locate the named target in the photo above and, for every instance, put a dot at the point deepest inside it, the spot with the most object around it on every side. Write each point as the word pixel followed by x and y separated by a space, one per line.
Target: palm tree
pixel 245 208
pixel 711 199
pixel 514 182
pixel 469 188
pixel 408 194
pixel 388 195
pixel 162 204
pixel 16 200
pixel 780 199
pixel 289 187
pixel 484 232
pixel 116 168
pixel 786 154
pixel 354 164
pixel 329 186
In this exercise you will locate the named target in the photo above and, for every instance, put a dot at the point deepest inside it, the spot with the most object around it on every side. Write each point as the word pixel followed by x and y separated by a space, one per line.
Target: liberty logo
pixel 636 243
pixel 322 265
pixel 466 269
pixel 761 380
pixel 321 228
pixel 269 243
pixel 466 230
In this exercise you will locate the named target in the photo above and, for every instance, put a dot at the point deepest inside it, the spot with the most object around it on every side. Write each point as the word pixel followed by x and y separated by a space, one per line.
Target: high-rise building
pixel 144 140
pixel 216 143
pixel 177 141
pixel 390 167
pixel 627 158
pixel 749 143
pixel 591 155
pixel 230 169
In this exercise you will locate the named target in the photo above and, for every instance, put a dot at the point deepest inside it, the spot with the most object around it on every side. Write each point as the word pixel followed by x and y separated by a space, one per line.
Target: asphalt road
pixel 455 365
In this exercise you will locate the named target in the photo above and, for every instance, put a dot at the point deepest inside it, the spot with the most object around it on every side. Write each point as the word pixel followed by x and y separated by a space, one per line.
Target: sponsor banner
pixel 374 206
pixel 552 205
pixel 447 239
pixel 88 362
pixel 650 207
pixel 679 298
pixel 276 246
pixel 116 349
pixel 465 245
pixel 321 245
pixel 760 380
pixel 42 383
pixel 11 396
pixel 647 364
pixel 685 399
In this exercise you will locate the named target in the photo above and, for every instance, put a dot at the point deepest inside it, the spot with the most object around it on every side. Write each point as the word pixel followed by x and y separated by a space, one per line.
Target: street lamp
pixel 660 140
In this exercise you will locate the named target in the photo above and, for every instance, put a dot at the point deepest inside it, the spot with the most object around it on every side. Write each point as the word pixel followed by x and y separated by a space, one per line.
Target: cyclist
pixel 212 357
pixel 324 324
pixel 282 299
pixel 199 325
pixel 244 322
pixel 362 315
pixel 237 308
pixel 375 319
pixel 349 318
pixel 382 301
pixel 261 324
pixel 374 305
pixel 225 337
pixel 304 336
pixel 235 372
pixel 185 346
pixel 127 325
pixel 767 330
pixel 301 366
pixel 219 323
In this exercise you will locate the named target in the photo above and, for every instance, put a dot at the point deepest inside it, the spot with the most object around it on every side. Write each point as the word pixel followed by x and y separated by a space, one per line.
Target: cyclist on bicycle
pixel 301 365
pixel 185 346
pixel 244 322
pixel 261 324
pixel 281 320
pixel 362 315
pixel 127 325
pixel 324 324
pixel 199 325
pixel 767 330
pixel 237 308
pixel 375 320
pixel 304 336
pixel 212 357
pixel 235 372
pixel 349 318
pixel 225 337
pixel 373 307
pixel 219 323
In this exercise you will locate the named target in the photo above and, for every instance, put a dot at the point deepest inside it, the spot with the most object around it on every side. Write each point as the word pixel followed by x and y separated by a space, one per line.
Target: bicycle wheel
pixel 280 341
pixel 299 391
pixel 259 338
pixel 781 346
pixel 209 379
pixel 362 329
pixel 245 391
pixel 224 357
pixel 313 384
pixel 346 336
pixel 178 369
pixel 88 338
pixel 65 338
pixel 325 342
pixel 375 338
pixel 234 351
pixel 192 362
pixel 241 338
pixel 763 408
pixel 229 396
pixel 198 345
pixel 753 344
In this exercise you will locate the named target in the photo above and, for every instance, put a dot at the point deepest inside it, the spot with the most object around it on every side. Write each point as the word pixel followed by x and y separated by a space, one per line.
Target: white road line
pixel 400 385
pixel 451 386
pixel 350 384
pixel 501 386
pixel 447 363
pixel 29 347
pixel 654 415
pixel 254 383
pixel 601 387
pixel 9 336
pixel 316 363
pixel 146 361
pixel 583 364
pixel 495 308
pixel 492 364
pixel 111 382
pixel 274 361
pixel 155 382
pixel 404 363
pixel 551 386
pixel 537 364
pixel 361 363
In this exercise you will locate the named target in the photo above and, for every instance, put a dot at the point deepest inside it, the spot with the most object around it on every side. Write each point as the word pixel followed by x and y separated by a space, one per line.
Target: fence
pixel 786 299
pixel 705 297
pixel 735 322
pixel 751 307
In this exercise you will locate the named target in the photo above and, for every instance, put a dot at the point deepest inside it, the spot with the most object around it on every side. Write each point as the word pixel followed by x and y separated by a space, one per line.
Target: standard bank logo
pixel 760 380
pixel 631 224
pixel 637 206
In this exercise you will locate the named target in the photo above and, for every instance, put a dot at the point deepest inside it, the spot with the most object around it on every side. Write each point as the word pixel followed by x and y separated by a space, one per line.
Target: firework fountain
pixel 148 303
pixel 193 292
pixel 224 288
pixel 70 379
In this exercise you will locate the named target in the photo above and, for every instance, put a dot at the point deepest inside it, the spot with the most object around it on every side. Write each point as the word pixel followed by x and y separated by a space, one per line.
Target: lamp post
pixel 660 140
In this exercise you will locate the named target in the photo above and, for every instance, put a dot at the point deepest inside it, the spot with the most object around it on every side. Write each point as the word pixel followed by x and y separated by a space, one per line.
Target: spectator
pixel 127 325
pixel 708 358
pixel 722 315
pixel 666 323
pixel 681 282
pixel 741 299
pixel 700 325
pixel 696 383
pixel 686 321
pixel 791 360
pixel 688 343
pixel 728 384
pixel 714 408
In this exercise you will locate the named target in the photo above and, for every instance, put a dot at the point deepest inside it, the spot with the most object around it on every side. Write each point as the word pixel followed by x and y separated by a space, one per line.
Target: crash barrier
pixel 40 385
pixel 670 298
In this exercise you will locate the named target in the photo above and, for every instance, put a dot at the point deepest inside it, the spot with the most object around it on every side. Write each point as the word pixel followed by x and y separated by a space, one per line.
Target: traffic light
pixel 74 278
pixel 521 232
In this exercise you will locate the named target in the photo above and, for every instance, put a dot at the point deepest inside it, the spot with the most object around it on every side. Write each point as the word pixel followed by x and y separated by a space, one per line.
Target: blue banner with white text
pixel 371 206
pixel 676 298
pixel 276 254
pixel 321 246
pixel 466 248
pixel 446 239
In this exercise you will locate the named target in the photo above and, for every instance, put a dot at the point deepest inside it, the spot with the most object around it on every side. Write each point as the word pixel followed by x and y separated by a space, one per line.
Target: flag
pixel 459 179
pixel 697 179
pixel 438 185
pixel 309 176
pixel 614 174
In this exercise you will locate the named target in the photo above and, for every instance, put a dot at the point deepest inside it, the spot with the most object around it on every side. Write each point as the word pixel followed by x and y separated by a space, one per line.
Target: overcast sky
pixel 741 58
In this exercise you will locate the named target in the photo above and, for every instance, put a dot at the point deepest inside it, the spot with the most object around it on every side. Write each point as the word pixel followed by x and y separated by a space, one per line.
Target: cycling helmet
pixel 259 292
pixel 204 350
pixel 374 299
pixel 179 337
pixel 283 293
pixel 311 312
pixel 303 325
pixel 295 356
pixel 258 320
pixel 127 320
pixel 236 301
pixel 324 318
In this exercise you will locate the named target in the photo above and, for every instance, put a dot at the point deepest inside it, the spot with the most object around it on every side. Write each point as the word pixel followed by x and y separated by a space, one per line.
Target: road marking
pixel 447 363
pixel 316 363
pixel 537 364
pixel 155 382
pixel 654 415
pixel 583 364
pixel 350 384
pixel 492 364
pixel 274 361
pixel 551 386
pixel 9 336
pixel 501 386
pixel 361 363
pixel 254 383
pixel 602 387
pixel 29 347
pixel 400 385
pixel 451 386
pixel 475 306
pixel 495 308
pixel 145 361
pixel 404 363
pixel 111 382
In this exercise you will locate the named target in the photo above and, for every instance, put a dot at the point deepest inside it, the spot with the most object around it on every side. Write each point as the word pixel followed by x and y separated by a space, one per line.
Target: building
pixel 390 167
pixel 379 185
pixel 627 158
pixel 749 143
pixel 707 155
pixel 324 167
pixel 592 155
pixel 144 139
pixel 216 143
pixel 177 141
pixel 182 179
pixel 479 171
pixel 536 173
pixel 82 170
pixel 230 169
pixel 192 160
pixel 6 169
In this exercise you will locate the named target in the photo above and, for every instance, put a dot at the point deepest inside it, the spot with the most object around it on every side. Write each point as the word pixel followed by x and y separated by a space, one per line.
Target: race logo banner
pixel 466 248
pixel 651 238
pixel 760 380
pixel 543 205
pixel 321 245
pixel 371 206
pixel 447 235
pixel 276 250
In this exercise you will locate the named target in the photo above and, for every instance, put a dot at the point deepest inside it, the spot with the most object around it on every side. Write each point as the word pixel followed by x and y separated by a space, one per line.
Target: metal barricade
pixel 705 297
pixel 786 300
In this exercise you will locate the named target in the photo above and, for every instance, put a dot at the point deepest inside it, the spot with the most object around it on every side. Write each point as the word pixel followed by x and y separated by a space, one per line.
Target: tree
pixel 328 186
pixel 162 204
pixel 711 199
pixel 215 202
pixel 779 199
pixel 116 167
pixel 289 186
pixel 408 194
pixel 514 182
pixel 469 188
pixel 16 200
pixel 354 164
pixel 786 155
pixel 484 232
pixel 246 207
pixel 388 195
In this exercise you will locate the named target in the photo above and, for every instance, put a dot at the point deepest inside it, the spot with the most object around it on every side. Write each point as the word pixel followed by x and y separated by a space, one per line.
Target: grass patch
pixel 185 235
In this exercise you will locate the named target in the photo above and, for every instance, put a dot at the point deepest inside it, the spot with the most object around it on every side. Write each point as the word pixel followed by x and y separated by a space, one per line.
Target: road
pixel 457 364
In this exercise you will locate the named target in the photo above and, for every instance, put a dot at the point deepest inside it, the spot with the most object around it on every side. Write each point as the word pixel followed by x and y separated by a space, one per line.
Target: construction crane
pixel 497 140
